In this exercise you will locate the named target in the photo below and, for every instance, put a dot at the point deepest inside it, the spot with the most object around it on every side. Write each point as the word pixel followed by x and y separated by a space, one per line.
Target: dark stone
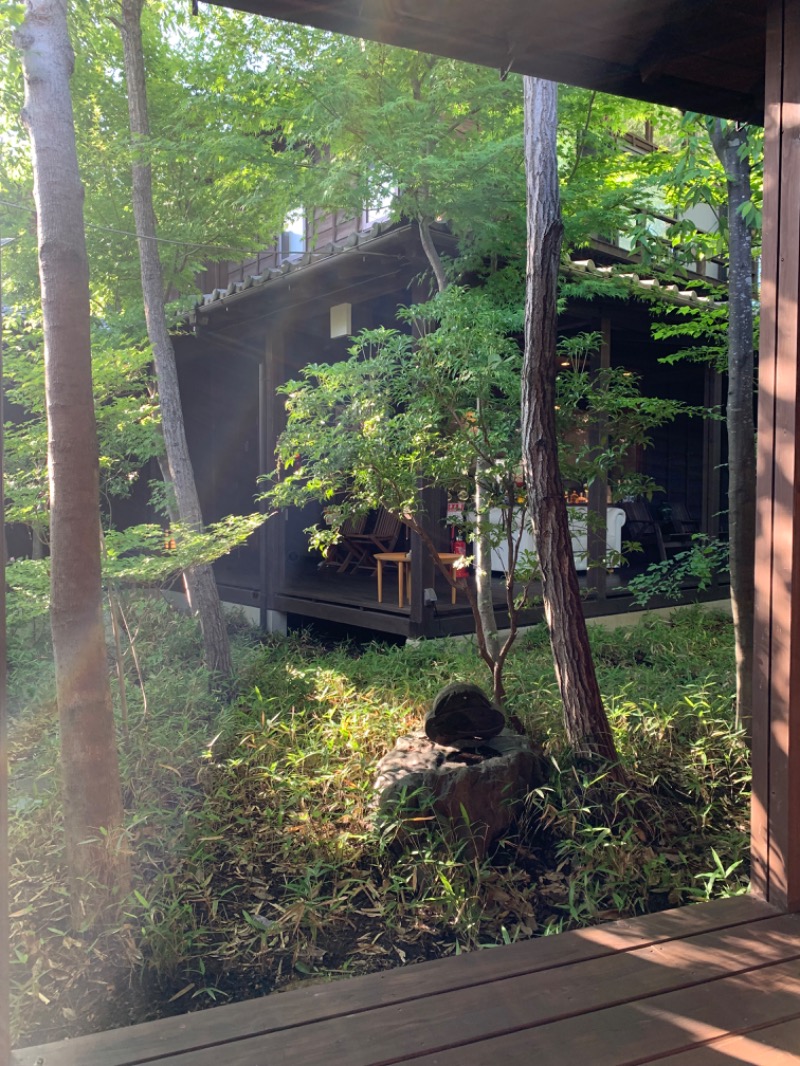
pixel 463 714
pixel 473 794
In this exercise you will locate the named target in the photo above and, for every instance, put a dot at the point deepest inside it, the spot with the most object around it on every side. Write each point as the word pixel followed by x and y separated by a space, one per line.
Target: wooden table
pixel 403 562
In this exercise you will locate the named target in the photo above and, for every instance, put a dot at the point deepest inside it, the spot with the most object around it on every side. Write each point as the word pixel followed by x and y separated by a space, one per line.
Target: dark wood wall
pixel 305 341
pixel 675 459
pixel 219 393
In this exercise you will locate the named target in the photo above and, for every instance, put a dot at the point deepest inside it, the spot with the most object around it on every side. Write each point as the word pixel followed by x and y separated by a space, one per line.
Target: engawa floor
pixel 706 985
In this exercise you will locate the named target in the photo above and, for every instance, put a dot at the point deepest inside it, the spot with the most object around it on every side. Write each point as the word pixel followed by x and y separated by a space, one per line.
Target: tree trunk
pixel 587 727
pixel 484 603
pixel 98 866
pixel 483 567
pixel 740 422
pixel 200 584
pixel 37 544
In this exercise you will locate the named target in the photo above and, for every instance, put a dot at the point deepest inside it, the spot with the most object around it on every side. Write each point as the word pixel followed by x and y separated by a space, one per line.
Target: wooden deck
pixel 351 600
pixel 709 984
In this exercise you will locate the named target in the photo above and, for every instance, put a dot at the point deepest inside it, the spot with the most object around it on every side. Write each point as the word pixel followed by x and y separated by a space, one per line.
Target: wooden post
pixel 776 710
pixel 597 514
pixel 423 568
pixel 271 422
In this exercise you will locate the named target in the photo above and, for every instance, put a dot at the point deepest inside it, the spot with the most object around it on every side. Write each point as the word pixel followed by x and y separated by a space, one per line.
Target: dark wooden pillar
pixel 271 422
pixel 423 568
pixel 598 489
pixel 776 717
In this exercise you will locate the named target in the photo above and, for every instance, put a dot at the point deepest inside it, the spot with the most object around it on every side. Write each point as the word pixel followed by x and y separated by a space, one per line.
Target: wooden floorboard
pixel 646 1030
pixel 360 588
pixel 459 1002
pixel 465 1022
pixel 772 1045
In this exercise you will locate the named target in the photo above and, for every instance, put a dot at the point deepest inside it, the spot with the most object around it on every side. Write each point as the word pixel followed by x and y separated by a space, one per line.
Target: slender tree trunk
pixel 432 255
pixel 200 583
pixel 92 802
pixel 37 544
pixel 483 563
pixel 740 422
pixel 585 719
pixel 487 618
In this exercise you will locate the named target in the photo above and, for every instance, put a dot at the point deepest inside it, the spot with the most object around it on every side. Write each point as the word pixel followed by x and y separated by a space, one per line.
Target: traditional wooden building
pixel 265 319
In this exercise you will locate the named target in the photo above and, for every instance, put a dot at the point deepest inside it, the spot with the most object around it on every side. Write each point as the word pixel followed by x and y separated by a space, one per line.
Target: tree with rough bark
pixel 585 720
pixel 730 143
pixel 93 815
pixel 199 580
pixel 712 164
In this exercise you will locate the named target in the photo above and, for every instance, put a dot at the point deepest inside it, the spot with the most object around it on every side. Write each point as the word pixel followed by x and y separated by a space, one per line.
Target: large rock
pixel 463 714
pixel 473 794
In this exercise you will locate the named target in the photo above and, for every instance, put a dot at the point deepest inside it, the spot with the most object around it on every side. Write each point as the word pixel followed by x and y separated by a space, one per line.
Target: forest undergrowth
pixel 258 861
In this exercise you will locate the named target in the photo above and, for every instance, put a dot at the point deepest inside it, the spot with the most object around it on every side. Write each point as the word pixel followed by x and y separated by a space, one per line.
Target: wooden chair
pixel 675 528
pixel 382 536
pixel 351 533
pixel 682 520
pixel 639 523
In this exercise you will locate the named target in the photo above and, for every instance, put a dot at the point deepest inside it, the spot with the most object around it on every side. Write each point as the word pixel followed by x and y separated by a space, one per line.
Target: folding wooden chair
pixel 382 536
pixel 682 520
pixel 351 533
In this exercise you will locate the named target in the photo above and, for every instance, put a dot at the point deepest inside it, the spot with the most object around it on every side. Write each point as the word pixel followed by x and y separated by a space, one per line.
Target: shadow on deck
pixel 704 985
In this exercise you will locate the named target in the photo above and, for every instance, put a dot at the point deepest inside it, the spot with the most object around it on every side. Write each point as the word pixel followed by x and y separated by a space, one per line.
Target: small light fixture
pixel 341 320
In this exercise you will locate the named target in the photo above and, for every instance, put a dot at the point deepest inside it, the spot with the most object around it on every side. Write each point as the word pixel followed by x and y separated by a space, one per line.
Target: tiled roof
pixel 360 241
pixel 297 263
pixel 668 290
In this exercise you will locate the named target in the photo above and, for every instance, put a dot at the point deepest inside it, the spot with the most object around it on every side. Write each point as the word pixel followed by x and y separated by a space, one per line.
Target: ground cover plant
pixel 257 859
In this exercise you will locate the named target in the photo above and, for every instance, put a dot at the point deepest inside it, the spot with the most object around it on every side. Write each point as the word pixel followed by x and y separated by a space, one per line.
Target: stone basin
pixel 488 781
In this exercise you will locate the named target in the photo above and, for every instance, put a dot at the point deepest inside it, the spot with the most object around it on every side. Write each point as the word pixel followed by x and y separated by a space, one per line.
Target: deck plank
pixel 773 1045
pixel 401 988
pixel 467 1018
pixel 648 1030
pixel 325 1016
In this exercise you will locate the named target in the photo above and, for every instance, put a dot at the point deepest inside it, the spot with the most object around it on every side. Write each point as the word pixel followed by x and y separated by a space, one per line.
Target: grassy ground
pixel 259 864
